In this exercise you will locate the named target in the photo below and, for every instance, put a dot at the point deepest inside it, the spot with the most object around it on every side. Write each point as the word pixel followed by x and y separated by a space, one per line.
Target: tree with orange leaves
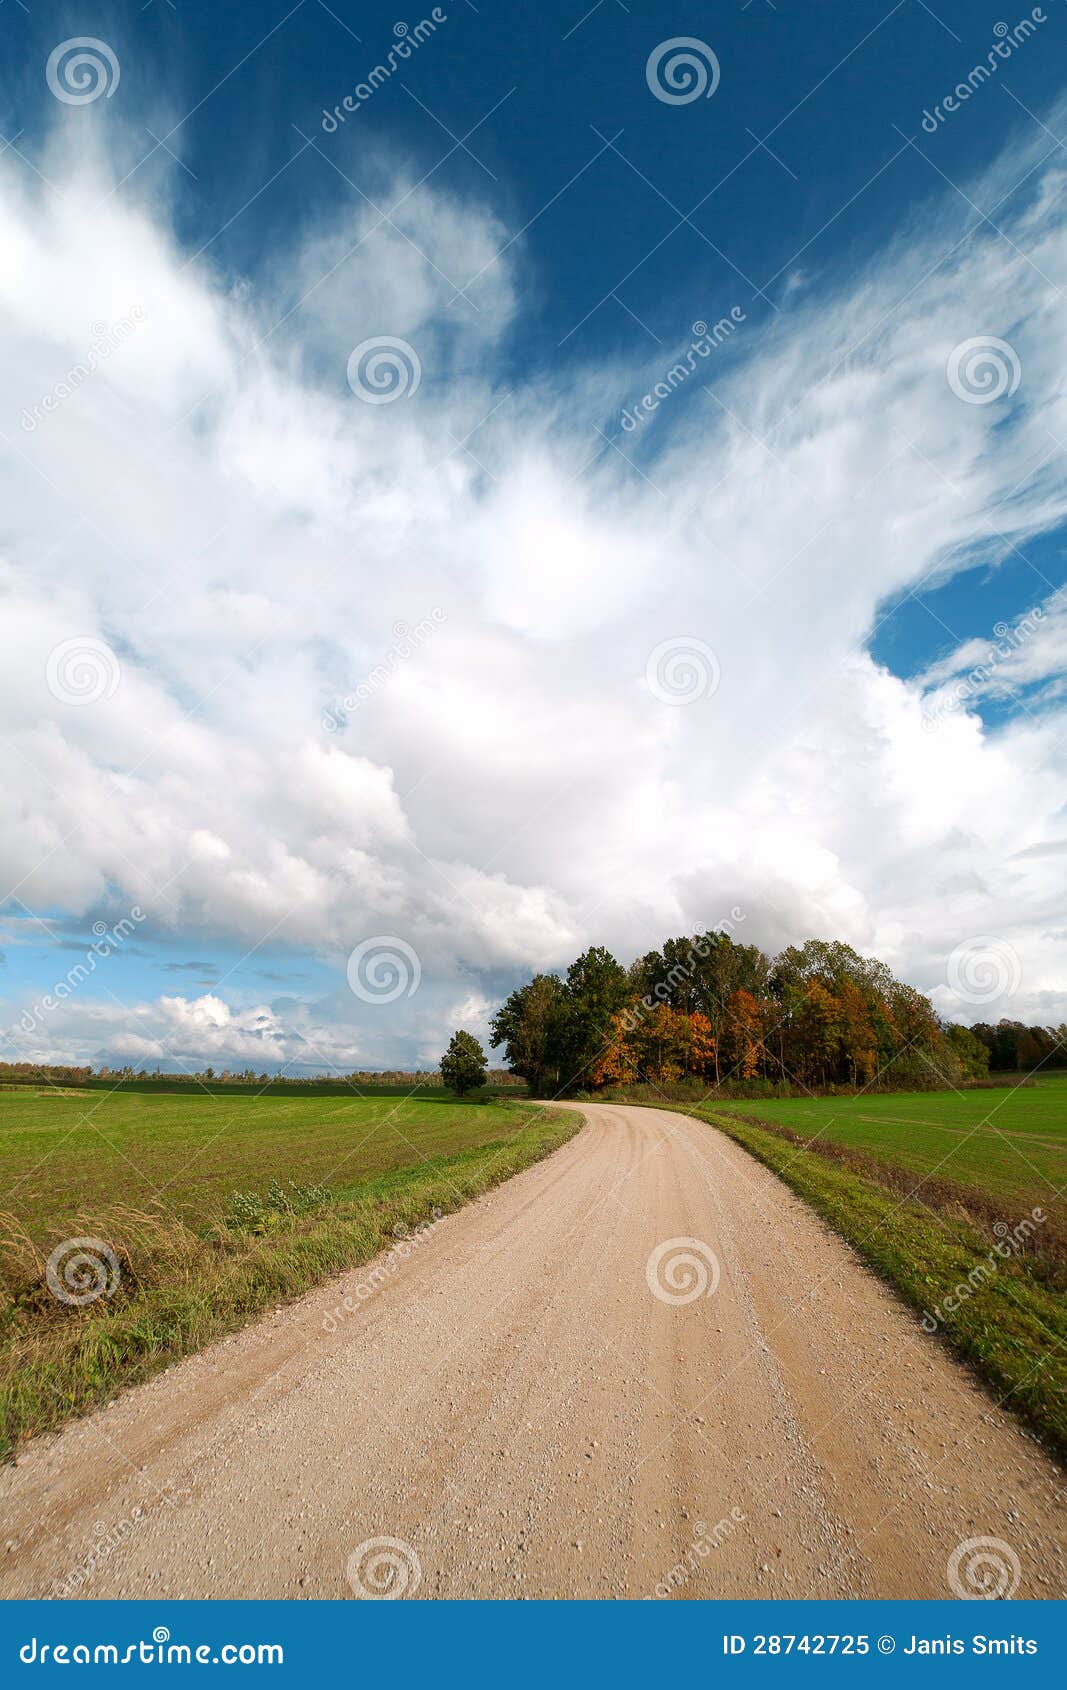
pixel 659 1043
pixel 699 1044
pixel 616 1064
pixel 744 1035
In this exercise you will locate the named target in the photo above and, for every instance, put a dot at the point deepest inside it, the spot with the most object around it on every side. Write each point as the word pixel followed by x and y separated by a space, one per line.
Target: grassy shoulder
pixel 181 1285
pixel 1008 1141
pixel 1005 1313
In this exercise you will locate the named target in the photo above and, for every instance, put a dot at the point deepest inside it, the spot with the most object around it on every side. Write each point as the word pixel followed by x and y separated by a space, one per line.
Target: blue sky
pixel 567 81
pixel 834 535
pixel 831 91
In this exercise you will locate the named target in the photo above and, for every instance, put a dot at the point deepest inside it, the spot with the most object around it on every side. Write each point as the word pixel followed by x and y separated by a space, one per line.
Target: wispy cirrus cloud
pixel 218 509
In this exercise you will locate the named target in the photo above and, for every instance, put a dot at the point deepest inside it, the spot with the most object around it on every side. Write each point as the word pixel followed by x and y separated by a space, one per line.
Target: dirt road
pixel 521 1411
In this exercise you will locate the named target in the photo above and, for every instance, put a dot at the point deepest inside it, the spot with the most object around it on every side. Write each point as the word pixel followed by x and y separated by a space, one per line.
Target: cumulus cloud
pixel 235 538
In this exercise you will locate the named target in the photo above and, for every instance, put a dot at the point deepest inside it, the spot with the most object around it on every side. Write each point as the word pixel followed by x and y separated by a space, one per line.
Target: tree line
pixel 1015 1047
pixel 51 1073
pixel 706 1008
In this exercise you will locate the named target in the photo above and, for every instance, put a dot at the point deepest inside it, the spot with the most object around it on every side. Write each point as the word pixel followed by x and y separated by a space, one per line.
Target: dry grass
pixel 178 1286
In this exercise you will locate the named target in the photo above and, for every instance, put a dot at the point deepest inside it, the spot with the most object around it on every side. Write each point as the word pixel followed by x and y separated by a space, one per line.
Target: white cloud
pixel 177 1033
pixel 215 504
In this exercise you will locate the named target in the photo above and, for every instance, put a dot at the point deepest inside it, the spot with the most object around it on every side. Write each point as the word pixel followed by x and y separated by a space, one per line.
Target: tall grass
pixel 179 1287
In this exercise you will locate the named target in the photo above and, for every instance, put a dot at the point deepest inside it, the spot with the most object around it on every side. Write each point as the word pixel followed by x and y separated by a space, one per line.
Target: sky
pixel 492 480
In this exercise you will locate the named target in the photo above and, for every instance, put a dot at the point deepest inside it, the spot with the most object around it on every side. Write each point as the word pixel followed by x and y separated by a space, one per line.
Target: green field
pixel 219 1206
pixel 957 1199
pixel 214 1208
pixel 1009 1143
pixel 69 1156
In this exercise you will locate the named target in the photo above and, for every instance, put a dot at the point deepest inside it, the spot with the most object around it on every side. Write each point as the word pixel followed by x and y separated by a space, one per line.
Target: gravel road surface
pixel 642 1367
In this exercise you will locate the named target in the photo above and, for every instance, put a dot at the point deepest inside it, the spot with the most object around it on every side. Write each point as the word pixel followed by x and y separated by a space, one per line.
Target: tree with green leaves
pixel 702 975
pixel 595 989
pixel 529 1025
pixel 972 1053
pixel 819 1014
pixel 464 1065
pixel 554 1031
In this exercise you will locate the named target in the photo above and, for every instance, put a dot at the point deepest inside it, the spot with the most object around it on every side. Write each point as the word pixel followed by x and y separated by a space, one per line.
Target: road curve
pixel 524 1416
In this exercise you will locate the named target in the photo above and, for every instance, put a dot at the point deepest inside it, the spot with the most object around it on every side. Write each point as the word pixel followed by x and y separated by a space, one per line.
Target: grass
pixel 61 1157
pixel 173 1084
pixel 922 1184
pixel 1010 1143
pixel 954 1199
pixel 180 1191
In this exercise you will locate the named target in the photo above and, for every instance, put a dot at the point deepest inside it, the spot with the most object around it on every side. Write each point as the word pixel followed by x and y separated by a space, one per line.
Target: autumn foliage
pixel 708 1009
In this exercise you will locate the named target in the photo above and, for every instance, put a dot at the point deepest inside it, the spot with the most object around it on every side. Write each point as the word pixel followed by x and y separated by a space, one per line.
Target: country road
pixel 522 1410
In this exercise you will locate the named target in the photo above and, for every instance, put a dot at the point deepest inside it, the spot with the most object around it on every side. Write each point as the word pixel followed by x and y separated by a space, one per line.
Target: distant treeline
pixel 1020 1049
pixel 815 1017
pixel 394 1080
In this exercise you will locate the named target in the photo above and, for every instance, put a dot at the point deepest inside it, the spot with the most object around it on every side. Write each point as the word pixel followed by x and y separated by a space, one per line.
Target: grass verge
pixel 180 1286
pixel 1004 1314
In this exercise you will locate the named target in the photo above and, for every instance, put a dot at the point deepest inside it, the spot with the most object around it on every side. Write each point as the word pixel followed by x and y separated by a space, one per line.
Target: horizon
pixel 446 539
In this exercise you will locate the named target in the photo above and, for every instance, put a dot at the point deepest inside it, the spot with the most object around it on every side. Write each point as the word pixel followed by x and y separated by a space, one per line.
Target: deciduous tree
pixel 464 1065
